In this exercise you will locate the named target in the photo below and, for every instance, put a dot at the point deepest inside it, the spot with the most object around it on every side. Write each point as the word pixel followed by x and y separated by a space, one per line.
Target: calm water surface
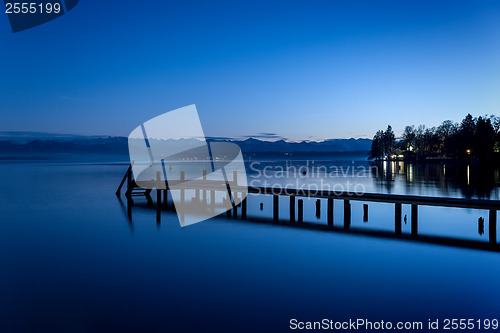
pixel 72 261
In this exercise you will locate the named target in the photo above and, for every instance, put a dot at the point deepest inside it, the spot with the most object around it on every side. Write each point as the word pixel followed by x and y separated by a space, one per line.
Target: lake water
pixel 73 261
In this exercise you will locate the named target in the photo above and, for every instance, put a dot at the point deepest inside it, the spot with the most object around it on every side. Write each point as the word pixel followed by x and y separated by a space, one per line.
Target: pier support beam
pixel 165 197
pixel 158 197
pixel 212 200
pixel 493 226
pixel 292 209
pixel 330 213
pixel 300 211
pixel 397 219
pixel 244 209
pixel 347 214
pixel 182 197
pixel 235 207
pixel 276 208
pixel 128 193
pixel 414 220
pixel 365 212
pixel 318 208
pixel 204 192
pixel 227 204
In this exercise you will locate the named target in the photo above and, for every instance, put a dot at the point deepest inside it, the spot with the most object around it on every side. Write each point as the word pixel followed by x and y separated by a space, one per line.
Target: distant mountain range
pixel 23 143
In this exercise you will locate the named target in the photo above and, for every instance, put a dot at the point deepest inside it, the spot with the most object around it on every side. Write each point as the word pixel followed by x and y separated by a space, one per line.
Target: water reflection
pixel 472 180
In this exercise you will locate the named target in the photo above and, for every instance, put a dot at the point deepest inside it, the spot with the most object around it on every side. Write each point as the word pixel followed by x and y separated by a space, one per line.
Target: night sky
pixel 292 69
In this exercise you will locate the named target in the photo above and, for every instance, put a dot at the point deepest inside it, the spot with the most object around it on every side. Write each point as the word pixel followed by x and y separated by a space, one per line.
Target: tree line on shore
pixel 477 138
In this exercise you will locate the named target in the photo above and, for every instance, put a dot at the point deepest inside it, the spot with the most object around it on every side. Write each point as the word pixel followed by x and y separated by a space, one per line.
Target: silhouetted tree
pixel 377 150
pixel 409 137
pixel 389 141
pixel 466 135
pixel 473 137
pixel 383 143
pixel 445 132
pixel 484 138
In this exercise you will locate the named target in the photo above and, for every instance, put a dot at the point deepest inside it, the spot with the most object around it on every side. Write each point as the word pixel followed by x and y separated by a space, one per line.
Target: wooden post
pixel 235 178
pixel 397 219
pixel 318 208
pixel 244 208
pixel 227 205
pixel 300 211
pixel 212 200
pixel 235 207
pixel 165 197
pixel 128 193
pixel 330 212
pixel 204 193
pixel 414 220
pixel 158 197
pixel 493 226
pixel 292 209
pixel 276 208
pixel 365 212
pixel 182 189
pixel 182 197
pixel 118 190
pixel 347 214
pixel 130 202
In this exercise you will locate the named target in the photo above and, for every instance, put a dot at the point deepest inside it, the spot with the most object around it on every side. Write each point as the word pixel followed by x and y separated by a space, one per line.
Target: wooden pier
pixel 298 217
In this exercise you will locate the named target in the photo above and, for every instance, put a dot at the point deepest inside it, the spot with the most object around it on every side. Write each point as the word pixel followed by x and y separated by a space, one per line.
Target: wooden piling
pixel 227 204
pixel 212 200
pixel 158 197
pixel 130 202
pixel 125 177
pixel 235 206
pixel 165 199
pixel 493 226
pixel 347 214
pixel 244 208
pixel 318 208
pixel 204 192
pixel 182 197
pixel 414 219
pixel 300 211
pixel 397 219
pixel 276 208
pixel 128 193
pixel 330 213
pixel 365 212
pixel 182 190
pixel 292 209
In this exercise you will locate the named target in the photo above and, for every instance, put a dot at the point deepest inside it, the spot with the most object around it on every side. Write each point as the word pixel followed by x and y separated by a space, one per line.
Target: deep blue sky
pixel 300 69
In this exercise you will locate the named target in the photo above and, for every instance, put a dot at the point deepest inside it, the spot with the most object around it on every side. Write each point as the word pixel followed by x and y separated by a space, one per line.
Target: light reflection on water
pixel 459 180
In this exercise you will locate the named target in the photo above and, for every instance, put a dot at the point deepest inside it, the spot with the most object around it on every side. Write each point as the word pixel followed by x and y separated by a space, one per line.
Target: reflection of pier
pixel 296 217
